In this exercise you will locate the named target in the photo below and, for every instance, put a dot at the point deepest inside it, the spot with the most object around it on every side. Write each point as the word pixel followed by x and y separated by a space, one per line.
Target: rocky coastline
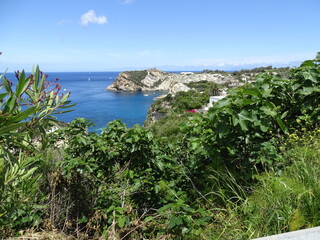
pixel 156 80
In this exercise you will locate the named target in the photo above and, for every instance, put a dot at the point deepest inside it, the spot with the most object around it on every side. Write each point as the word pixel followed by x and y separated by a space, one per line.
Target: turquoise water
pixel 94 102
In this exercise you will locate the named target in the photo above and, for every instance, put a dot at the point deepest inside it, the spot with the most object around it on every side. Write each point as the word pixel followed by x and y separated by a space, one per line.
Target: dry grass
pixel 43 236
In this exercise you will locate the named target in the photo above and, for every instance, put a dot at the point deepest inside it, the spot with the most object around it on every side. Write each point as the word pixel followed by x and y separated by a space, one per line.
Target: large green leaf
pixel 307 90
pixel 265 124
pixel 252 92
pixel 267 111
pixel 245 101
pixel 121 221
pixel 309 63
pixel 244 117
pixel 309 76
pixel 221 103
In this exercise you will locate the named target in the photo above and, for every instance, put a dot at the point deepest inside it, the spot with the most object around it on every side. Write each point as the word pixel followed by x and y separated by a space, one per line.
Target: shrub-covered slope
pixel 247 168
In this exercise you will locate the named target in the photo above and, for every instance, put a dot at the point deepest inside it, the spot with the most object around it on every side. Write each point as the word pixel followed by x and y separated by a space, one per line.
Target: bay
pixel 95 103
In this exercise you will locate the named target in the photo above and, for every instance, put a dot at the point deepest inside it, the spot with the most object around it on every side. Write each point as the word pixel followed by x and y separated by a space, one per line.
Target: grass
pixel 281 200
pixel 287 200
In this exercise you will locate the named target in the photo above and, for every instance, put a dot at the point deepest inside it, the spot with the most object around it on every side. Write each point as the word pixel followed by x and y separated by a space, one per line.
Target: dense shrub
pixel 239 126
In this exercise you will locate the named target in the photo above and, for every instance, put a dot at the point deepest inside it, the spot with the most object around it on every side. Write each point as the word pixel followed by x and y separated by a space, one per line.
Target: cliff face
pixel 155 80
pixel 133 81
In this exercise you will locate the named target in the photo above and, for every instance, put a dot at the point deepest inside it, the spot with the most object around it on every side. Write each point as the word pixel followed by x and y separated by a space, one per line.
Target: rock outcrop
pixel 156 80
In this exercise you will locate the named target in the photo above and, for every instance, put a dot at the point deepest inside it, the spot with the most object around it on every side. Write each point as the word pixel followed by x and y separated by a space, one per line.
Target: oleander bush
pixel 25 114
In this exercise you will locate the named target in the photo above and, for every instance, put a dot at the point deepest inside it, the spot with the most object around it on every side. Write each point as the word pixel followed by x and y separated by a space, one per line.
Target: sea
pixel 88 91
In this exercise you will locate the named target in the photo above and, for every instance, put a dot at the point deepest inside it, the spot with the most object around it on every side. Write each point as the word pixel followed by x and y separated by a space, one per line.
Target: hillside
pixel 156 80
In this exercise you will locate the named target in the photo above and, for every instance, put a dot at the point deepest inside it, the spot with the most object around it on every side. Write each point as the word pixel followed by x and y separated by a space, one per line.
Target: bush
pixel 243 123
pixel 25 114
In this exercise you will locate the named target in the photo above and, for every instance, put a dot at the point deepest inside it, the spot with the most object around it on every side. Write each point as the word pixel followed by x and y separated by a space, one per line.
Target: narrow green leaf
pixel 23 115
pixel 29 173
pixel 10 128
pixel 21 84
pixel 36 78
pixel 10 104
pixel 1 165
pixel 6 84
pixel 281 124
pixel 2 96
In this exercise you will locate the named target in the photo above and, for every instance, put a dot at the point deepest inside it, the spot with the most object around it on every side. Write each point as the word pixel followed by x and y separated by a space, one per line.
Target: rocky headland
pixel 156 80
pixel 207 83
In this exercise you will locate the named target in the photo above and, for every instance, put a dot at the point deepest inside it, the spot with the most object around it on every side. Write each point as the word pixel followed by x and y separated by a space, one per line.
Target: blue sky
pixel 116 35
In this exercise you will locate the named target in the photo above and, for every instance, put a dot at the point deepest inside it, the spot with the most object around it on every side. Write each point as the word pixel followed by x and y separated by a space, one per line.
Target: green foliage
pixel 239 171
pixel 25 113
pixel 181 102
pixel 243 123
pixel 170 126
pixel 30 106
pixel 288 200
pixel 137 76
pixel 122 180
pixel 19 195
pixel 209 88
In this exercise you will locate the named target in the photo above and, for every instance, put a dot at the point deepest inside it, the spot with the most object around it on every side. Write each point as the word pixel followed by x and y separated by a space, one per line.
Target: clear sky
pixel 115 35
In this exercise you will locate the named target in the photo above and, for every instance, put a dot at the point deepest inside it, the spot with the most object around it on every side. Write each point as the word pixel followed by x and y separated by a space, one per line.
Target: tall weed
pixel 288 200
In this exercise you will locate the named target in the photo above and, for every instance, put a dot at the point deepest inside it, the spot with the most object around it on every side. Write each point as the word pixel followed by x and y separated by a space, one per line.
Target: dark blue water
pixel 94 102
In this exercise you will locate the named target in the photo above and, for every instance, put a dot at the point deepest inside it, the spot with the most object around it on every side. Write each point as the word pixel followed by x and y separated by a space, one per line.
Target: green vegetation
pixel 25 115
pixel 254 70
pixel 248 168
pixel 172 110
pixel 248 75
pixel 169 125
pixel 208 88
pixel 137 76
pixel 181 102
pixel 287 200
